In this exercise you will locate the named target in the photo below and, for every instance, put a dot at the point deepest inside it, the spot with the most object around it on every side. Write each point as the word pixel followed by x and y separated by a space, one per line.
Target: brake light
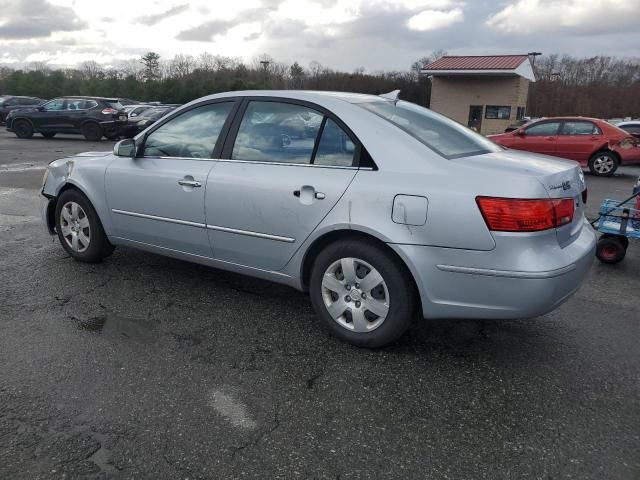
pixel 525 215
pixel 584 196
pixel 109 110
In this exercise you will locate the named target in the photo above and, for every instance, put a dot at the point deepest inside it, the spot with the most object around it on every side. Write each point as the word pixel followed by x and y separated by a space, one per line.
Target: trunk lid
pixel 560 179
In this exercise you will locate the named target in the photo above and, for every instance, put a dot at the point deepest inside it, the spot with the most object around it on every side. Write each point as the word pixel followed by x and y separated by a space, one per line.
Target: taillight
pixel 109 110
pixel 584 196
pixel 525 215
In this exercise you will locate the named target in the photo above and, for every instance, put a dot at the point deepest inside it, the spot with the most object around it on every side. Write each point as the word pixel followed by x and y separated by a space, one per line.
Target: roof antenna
pixel 391 96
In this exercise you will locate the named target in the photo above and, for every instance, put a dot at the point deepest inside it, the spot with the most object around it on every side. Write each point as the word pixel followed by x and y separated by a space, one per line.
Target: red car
pixel 590 141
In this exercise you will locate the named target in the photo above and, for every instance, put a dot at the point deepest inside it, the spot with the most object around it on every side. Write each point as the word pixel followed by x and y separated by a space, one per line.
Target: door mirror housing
pixel 520 132
pixel 126 148
pixel 40 108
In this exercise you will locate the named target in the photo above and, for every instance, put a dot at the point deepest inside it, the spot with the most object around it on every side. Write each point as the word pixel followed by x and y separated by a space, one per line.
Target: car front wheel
pixel 363 293
pixel 79 229
pixel 23 129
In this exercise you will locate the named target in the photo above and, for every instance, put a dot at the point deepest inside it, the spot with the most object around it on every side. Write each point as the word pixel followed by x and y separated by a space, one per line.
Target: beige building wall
pixel 452 96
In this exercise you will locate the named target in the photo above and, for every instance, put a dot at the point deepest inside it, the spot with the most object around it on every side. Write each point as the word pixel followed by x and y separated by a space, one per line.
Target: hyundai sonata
pixel 380 209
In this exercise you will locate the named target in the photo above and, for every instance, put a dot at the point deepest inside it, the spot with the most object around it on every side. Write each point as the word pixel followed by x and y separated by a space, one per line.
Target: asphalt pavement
pixel 149 367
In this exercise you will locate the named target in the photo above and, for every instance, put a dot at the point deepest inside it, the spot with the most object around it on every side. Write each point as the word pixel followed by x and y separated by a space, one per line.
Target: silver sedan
pixel 382 210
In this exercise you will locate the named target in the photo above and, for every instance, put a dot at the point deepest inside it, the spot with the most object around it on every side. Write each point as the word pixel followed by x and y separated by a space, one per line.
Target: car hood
pixel 15 111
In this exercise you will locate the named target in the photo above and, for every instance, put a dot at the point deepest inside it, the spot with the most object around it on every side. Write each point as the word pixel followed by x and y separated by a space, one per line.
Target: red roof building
pixel 484 92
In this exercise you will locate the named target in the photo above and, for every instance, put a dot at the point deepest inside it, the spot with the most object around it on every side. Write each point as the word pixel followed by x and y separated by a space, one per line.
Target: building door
pixel 475 117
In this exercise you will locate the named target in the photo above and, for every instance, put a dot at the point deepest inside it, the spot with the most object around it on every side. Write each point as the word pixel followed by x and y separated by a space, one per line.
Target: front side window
pixel 192 134
pixel 543 129
pixel 580 128
pixel 54 105
pixel 335 147
pixel 441 134
pixel 277 132
pixel 496 112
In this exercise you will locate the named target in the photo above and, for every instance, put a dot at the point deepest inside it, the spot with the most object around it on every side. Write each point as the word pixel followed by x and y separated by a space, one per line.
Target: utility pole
pixel 532 56
pixel 265 66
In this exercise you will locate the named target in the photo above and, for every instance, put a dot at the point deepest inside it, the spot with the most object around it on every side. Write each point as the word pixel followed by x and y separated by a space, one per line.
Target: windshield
pixel 442 135
pixel 154 113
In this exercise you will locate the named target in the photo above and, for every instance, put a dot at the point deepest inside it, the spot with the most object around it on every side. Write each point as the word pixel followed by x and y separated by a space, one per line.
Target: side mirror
pixel 125 148
pixel 41 108
pixel 520 132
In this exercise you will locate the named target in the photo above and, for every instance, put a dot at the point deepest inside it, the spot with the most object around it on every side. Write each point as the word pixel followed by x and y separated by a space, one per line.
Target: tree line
pixel 600 86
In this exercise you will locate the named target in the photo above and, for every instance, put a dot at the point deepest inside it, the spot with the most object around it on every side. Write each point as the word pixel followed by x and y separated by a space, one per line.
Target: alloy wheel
pixel 603 164
pixel 355 295
pixel 74 226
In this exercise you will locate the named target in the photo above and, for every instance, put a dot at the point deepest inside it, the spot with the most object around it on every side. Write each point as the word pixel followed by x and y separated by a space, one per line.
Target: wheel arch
pixel 605 148
pixel 53 203
pixel 328 238
pixel 14 120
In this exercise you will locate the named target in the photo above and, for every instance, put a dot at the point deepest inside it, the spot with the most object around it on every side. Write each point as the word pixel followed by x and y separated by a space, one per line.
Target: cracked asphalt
pixel 148 367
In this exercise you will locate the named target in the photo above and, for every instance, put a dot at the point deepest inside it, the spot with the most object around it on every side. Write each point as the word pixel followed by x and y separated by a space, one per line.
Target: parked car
pixel 93 117
pixel 390 211
pixel 144 120
pixel 632 127
pixel 592 142
pixel 135 110
pixel 9 103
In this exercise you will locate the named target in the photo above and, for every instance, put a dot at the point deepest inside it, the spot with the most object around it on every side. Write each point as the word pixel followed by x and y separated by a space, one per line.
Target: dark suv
pixel 93 117
pixel 11 102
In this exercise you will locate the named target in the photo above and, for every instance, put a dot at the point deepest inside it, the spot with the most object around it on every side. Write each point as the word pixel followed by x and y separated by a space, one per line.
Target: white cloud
pixel 588 16
pixel 435 19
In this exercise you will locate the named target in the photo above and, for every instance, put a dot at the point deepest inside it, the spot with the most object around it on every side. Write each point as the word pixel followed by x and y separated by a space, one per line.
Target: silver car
pixel 382 210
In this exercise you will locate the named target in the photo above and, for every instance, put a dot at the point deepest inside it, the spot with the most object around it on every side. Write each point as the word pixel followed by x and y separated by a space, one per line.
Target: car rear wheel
pixel 48 134
pixel 23 129
pixel 364 295
pixel 79 229
pixel 611 249
pixel 603 164
pixel 92 131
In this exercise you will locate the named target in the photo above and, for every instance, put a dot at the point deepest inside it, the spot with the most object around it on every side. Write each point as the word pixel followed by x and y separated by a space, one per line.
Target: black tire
pixel 23 128
pixel 112 136
pixel 603 163
pixel 611 249
pixel 402 296
pixel 48 134
pixel 624 240
pixel 92 131
pixel 99 246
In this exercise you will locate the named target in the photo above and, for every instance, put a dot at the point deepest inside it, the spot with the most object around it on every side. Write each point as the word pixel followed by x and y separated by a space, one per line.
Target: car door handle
pixel 318 195
pixel 190 183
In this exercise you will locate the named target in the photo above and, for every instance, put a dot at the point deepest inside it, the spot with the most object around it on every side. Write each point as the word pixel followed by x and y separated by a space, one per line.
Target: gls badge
pixel 564 186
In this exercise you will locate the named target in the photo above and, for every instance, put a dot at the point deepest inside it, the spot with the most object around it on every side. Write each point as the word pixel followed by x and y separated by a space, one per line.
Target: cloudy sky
pixel 342 34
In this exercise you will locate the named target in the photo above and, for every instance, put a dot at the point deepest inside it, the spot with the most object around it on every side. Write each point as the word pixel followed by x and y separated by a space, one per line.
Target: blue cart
pixel 618 222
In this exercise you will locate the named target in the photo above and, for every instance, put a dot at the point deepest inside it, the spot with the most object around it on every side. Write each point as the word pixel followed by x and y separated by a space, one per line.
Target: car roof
pixel 572 119
pixel 85 97
pixel 309 95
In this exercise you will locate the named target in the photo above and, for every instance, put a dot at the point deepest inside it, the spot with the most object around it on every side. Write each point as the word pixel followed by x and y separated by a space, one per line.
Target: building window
pixel 520 113
pixel 495 112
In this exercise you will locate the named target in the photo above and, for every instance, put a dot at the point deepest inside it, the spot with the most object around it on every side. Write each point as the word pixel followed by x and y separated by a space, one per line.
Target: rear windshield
pixel 440 134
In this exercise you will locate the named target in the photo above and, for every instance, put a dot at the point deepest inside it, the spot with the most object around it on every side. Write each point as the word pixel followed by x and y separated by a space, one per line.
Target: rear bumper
pixel 473 284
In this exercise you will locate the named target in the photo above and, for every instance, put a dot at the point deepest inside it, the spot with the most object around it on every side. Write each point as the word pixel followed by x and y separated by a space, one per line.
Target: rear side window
pixel 277 132
pixel 439 133
pixel 80 104
pixel 192 134
pixel 580 128
pixel 335 147
pixel 543 129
